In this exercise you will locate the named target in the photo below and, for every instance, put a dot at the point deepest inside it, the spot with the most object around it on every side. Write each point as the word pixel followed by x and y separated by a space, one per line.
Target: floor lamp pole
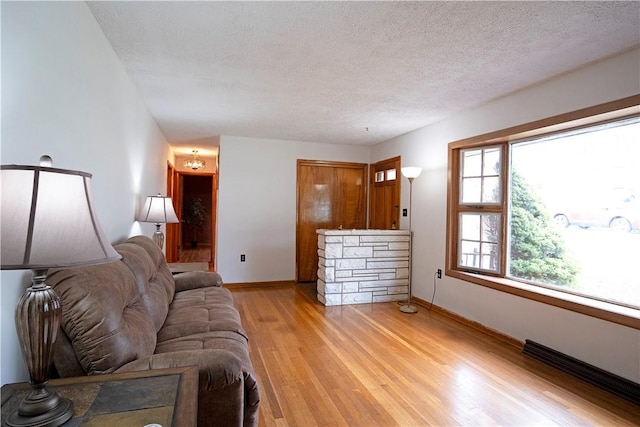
pixel 408 308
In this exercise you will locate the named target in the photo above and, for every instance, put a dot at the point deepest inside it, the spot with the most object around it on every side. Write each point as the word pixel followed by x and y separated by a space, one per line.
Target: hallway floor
pixel 199 254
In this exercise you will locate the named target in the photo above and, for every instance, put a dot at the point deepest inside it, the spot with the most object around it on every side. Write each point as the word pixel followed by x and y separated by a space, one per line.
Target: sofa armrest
pixel 196 279
pixel 227 395
pixel 218 368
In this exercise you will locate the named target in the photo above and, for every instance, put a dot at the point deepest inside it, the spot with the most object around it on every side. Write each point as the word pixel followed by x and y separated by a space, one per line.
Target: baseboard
pixel 606 380
pixel 260 284
pixel 470 323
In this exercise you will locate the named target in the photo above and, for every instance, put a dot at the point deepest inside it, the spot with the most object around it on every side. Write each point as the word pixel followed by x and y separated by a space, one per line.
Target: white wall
pixel 65 93
pixel 257 204
pixel 612 347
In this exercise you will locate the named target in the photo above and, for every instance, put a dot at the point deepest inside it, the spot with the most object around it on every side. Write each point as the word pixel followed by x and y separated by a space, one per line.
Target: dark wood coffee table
pixel 168 397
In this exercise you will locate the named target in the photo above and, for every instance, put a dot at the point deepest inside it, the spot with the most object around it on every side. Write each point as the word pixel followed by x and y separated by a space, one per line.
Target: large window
pixel 552 210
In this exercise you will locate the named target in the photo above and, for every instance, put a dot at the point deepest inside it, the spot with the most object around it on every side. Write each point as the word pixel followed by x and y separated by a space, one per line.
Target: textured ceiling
pixel 326 71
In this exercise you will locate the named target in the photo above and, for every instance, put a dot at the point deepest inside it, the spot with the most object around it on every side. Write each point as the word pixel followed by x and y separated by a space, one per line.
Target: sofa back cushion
pixel 152 276
pixel 103 316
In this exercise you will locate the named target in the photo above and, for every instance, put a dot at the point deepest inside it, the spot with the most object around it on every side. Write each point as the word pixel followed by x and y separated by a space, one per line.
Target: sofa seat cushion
pixel 200 311
pixel 214 340
pixel 204 319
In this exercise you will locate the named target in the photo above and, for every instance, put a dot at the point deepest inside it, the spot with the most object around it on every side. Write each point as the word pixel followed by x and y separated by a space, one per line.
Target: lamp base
pixel 37 321
pixel 408 308
pixel 42 408
pixel 158 236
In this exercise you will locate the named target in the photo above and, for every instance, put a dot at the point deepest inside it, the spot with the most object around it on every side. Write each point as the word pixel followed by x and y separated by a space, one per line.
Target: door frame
pixel 177 195
pixel 173 230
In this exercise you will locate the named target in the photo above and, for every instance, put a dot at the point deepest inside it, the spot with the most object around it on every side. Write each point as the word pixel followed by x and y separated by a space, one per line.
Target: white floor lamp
pixel 410 173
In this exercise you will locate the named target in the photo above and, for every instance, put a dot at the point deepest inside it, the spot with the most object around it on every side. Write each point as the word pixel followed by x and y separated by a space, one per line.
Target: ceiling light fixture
pixel 195 162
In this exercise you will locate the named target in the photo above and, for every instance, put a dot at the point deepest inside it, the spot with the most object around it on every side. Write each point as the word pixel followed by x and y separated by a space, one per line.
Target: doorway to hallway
pixel 195 201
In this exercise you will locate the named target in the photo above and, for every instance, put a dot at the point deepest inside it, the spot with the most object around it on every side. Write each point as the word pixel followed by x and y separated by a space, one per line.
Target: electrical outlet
pixel 439 273
pixel 242 258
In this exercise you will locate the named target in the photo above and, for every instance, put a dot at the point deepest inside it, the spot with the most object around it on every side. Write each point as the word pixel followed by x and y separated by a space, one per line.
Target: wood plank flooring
pixel 199 254
pixel 371 365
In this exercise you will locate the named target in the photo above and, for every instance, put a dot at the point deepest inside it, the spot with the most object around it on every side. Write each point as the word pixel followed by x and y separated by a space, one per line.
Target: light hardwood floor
pixel 199 254
pixel 371 365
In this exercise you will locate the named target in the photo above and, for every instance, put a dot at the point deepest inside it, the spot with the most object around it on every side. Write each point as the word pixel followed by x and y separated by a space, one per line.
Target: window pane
pixel 491 164
pixel 479 241
pixel 470 229
pixel 490 228
pixel 489 260
pixel 491 190
pixel 480 176
pixel 379 176
pixel 470 254
pixel 391 174
pixel 575 211
pixel 471 188
pixel 471 162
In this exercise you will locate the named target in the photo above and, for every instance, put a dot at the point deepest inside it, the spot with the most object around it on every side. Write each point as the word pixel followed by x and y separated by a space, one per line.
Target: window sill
pixel 599 309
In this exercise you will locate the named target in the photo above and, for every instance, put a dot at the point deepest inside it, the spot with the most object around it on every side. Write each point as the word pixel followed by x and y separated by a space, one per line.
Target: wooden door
pixel 330 195
pixel 384 203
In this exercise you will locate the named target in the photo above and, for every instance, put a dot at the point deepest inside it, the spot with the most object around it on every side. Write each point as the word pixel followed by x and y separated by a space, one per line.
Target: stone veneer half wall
pixel 362 266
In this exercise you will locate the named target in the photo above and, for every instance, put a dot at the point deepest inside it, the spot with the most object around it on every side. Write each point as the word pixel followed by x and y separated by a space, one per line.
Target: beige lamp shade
pixel 158 209
pixel 48 220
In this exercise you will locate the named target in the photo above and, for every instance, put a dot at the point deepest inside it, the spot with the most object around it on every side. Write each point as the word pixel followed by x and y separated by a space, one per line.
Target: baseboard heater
pixel 589 373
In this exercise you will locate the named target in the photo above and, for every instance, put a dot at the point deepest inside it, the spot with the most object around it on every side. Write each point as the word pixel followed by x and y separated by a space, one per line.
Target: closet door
pixel 330 195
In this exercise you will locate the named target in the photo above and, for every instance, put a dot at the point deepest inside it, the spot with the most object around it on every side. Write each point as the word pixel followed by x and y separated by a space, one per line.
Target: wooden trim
pixel 611 110
pixel 455 207
pixel 214 220
pixel 214 209
pixel 172 230
pixel 599 309
pixel 329 164
pixel 622 108
pixel 452 215
pixel 244 285
pixel 497 335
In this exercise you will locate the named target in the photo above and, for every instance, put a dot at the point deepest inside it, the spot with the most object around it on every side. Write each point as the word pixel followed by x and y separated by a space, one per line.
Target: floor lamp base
pixel 408 308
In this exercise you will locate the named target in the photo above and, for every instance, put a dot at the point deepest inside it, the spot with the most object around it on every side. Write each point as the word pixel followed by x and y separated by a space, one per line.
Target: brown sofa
pixel 133 315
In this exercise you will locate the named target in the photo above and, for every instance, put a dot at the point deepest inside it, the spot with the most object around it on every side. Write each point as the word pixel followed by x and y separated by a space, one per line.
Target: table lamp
pixel 47 221
pixel 158 209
